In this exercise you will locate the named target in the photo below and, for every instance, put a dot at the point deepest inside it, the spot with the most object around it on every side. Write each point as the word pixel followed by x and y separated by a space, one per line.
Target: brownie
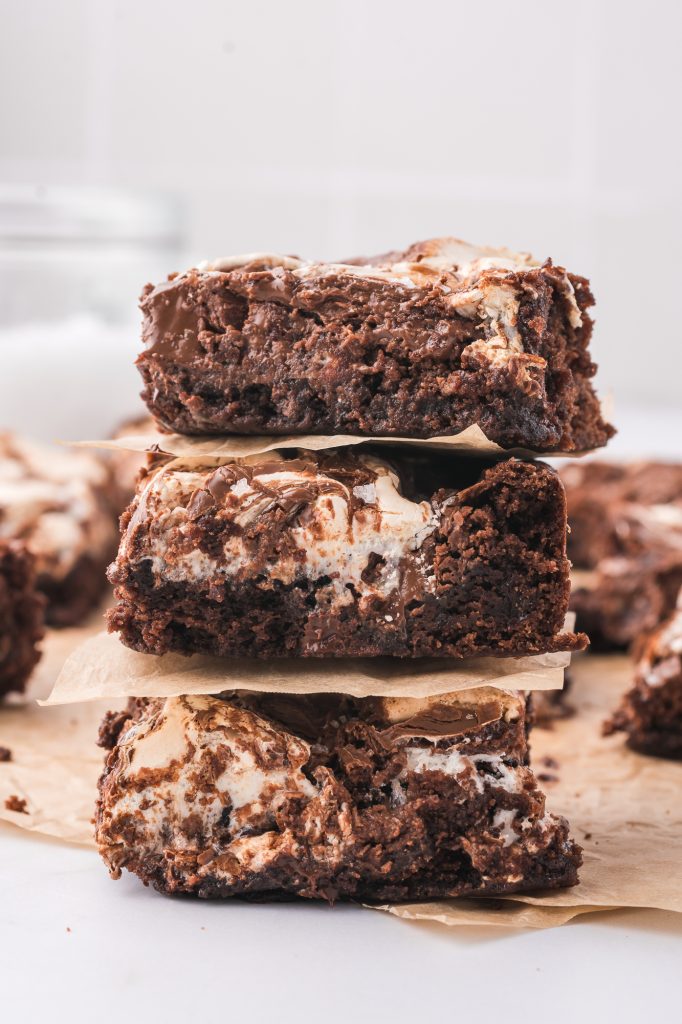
pixel 622 509
pixel 327 797
pixel 21 616
pixel 626 528
pixel 625 598
pixel 651 712
pixel 343 553
pixel 59 503
pixel 420 343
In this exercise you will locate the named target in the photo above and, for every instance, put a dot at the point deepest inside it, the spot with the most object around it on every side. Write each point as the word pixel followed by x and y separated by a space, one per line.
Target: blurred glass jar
pixel 72 265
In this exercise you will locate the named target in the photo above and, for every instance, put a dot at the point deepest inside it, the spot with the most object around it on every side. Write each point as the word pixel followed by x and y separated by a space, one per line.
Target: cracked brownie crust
pixel 420 343
pixel 345 554
pixel 329 798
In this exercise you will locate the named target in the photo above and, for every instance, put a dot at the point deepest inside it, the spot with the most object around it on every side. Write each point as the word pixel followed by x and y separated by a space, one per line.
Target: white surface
pixel 131 955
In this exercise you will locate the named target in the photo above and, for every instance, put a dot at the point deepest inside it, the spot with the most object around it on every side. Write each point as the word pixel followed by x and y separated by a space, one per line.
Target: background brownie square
pixel 22 609
pixel 345 554
pixel 327 797
pixel 60 504
pixel 651 712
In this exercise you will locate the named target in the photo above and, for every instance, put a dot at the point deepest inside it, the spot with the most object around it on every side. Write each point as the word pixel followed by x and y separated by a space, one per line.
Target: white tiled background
pixel 335 128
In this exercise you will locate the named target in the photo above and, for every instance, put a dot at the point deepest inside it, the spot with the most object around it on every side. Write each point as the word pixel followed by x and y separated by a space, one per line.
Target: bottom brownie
pixel 329 798
pixel 21 616
pixel 651 712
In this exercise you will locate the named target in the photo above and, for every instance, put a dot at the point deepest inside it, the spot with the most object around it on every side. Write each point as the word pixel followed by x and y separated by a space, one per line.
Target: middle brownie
pixel 343 553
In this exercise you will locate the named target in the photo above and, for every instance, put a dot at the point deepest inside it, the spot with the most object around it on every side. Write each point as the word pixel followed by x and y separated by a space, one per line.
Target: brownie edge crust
pixel 420 343
pixel 338 554
pixel 329 798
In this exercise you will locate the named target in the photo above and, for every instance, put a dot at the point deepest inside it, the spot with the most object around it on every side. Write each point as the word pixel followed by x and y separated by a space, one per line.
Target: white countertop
pixel 75 946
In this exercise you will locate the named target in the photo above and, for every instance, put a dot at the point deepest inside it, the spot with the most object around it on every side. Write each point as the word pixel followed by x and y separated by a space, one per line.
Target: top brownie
pixel 419 343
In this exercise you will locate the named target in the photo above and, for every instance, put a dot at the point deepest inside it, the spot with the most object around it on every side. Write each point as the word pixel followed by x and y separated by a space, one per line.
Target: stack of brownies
pixel 323 547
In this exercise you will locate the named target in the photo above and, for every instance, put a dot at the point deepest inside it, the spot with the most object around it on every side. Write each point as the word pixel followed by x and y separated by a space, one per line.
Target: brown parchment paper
pixel 498 913
pixel 103 667
pixel 625 810
pixel 472 440
pixel 55 760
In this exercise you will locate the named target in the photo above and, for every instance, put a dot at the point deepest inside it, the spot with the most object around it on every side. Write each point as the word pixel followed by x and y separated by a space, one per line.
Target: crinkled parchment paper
pixel 103 667
pixel 470 441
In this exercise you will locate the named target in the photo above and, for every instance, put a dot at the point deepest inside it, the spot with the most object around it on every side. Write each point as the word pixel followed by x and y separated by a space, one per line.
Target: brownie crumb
pixel 5 754
pixel 17 804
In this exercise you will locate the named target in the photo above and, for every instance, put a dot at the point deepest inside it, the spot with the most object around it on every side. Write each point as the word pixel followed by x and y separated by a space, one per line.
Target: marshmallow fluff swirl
pixel 282 518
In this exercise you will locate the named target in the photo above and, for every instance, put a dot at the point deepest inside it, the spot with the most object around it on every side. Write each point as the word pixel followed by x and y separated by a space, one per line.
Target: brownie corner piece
pixel 650 713
pixel 345 553
pixel 330 797
pixel 21 616
pixel 420 343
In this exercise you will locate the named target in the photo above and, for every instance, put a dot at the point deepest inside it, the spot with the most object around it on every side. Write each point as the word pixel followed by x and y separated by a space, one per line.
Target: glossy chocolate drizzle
pixel 311 716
